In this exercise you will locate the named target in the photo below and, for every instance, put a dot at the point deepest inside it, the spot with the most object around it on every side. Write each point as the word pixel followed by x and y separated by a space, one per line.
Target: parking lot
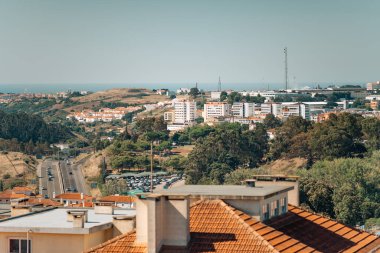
pixel 141 181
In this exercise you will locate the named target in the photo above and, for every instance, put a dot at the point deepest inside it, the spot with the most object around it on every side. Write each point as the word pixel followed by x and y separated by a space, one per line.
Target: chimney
pixel 250 182
pixel 78 219
pixel 53 195
pixel 162 220
pixel 70 215
pixel 81 195
pixel 20 210
pixel 123 224
pixel 103 208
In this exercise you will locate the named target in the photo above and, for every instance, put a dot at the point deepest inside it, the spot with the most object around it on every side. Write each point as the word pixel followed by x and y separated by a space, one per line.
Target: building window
pixel 283 203
pixel 276 207
pixel 19 246
pixel 266 211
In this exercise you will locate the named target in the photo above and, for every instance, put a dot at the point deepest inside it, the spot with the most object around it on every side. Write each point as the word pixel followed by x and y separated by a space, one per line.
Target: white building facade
pixel 215 110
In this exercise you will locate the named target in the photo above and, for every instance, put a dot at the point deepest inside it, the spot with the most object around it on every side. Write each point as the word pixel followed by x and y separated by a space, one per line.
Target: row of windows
pixel 273 209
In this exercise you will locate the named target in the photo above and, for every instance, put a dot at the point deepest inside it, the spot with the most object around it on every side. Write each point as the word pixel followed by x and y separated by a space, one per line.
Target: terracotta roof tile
pixel 318 232
pixel 123 243
pixel 73 195
pixel 22 189
pixel 44 202
pixel 218 227
pixel 118 198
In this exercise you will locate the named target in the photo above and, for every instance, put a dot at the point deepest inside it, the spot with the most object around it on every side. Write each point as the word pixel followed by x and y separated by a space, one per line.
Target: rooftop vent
pixel 250 182
pixel 71 213
pixel 103 208
pixel 123 224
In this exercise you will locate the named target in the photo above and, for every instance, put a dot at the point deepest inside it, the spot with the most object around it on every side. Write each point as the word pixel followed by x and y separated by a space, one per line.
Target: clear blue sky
pixel 178 41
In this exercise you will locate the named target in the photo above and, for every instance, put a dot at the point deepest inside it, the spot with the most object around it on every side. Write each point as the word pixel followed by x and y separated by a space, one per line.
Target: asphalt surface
pixel 66 177
pixel 72 176
pixel 48 187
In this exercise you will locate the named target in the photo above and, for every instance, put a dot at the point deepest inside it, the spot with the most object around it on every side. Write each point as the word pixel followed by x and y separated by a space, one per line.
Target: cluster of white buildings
pixel 103 115
pixel 248 113
pixel 185 113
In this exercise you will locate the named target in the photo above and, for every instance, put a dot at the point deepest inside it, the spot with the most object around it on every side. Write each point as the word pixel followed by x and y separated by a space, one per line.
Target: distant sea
pixel 53 88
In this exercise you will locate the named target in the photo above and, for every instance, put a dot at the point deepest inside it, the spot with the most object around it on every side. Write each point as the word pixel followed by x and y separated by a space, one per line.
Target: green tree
pixel 271 121
pixel 194 92
pixel 346 189
pixel 371 132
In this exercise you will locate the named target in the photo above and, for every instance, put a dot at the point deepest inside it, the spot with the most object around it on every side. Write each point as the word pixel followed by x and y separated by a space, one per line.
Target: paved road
pixel 72 177
pixel 65 175
pixel 47 187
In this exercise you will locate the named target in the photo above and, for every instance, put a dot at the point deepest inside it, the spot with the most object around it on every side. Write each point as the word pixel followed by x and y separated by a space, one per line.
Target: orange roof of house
pixel 22 189
pixel 73 195
pixel 11 195
pixel 44 202
pixel 85 204
pixel 117 198
pixel 123 243
pixel 217 227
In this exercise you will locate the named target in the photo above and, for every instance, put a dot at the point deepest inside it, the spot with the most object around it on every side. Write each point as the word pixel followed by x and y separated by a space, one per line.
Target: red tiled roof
pixel 73 195
pixel 85 204
pixel 11 195
pixel 123 243
pixel 218 227
pixel 22 189
pixel 44 202
pixel 321 233
pixel 117 198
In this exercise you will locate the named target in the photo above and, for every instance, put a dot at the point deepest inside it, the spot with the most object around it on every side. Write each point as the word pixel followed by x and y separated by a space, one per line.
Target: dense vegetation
pixel 131 149
pixel 223 150
pixel 237 97
pixel 345 189
pixel 25 128
pixel 343 135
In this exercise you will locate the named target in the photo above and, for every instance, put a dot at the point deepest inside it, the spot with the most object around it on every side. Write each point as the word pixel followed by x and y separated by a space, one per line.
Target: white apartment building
pixel 295 109
pixel 245 110
pixel 184 112
pixel 216 109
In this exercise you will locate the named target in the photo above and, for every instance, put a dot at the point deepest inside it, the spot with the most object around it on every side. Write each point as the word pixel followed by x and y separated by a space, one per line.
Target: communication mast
pixel 286 67
pixel 219 85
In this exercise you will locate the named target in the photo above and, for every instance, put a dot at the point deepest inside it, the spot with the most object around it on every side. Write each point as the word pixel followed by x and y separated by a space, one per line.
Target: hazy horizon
pixel 79 42
pixel 41 88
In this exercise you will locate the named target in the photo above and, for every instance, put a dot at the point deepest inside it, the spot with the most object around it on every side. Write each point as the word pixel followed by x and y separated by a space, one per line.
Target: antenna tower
pixel 286 67
pixel 219 85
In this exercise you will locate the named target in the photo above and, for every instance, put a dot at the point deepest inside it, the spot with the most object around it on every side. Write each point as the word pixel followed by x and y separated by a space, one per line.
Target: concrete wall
pixel 293 195
pixel 96 238
pixel 254 207
pixel 176 223
pixel 160 221
pixel 57 243
pixel 141 220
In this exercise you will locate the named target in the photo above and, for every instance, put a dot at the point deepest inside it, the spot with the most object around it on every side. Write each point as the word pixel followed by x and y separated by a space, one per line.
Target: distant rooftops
pixel 226 191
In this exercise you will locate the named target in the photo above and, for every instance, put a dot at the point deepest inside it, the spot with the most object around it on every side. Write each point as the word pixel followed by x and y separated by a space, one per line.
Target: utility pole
pixel 286 67
pixel 151 166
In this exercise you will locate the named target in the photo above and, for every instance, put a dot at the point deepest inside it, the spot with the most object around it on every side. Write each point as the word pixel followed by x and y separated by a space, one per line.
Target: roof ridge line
pixel 329 219
pixel 112 240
